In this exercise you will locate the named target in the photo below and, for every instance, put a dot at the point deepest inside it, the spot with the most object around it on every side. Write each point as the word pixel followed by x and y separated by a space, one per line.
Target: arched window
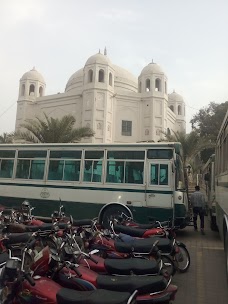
pixel 101 76
pixel 90 76
pixel 31 89
pixel 171 108
pixel 158 84
pixel 110 79
pixel 40 91
pixel 140 87
pixel 23 90
pixel 179 110
pixel 165 87
pixel 148 85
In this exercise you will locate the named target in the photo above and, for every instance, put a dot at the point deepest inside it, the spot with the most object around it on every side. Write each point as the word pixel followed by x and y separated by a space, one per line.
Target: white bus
pixel 221 184
pixel 141 179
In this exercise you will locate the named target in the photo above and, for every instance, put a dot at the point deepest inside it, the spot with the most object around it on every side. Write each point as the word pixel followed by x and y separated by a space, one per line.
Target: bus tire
pixel 110 212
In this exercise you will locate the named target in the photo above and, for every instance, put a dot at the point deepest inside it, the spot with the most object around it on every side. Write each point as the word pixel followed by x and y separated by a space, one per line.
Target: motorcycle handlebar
pixel 29 279
pixel 31 244
pixel 77 271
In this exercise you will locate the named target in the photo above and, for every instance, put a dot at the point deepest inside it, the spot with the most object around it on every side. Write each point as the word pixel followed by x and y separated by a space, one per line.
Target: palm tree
pixel 6 138
pixel 53 130
pixel 191 143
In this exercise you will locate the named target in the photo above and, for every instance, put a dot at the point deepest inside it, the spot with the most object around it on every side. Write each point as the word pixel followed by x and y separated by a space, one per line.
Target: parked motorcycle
pixel 179 253
pixel 18 286
pixel 150 289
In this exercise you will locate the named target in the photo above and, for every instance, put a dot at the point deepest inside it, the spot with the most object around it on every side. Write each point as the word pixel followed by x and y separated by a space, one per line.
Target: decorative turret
pixel 32 85
pixel 177 105
pixel 152 79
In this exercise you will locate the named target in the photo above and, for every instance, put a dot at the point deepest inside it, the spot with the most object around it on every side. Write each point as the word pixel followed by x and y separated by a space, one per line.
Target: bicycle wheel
pixel 168 265
pixel 182 259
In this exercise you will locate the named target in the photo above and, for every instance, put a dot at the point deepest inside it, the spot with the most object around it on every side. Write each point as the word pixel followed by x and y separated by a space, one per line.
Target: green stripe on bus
pixel 88 188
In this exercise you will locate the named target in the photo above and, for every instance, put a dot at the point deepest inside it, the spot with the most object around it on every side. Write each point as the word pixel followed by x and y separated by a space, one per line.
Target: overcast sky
pixel 187 38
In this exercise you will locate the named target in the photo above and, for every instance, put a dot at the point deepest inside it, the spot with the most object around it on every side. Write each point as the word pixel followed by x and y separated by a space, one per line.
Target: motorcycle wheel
pixel 182 259
pixel 168 265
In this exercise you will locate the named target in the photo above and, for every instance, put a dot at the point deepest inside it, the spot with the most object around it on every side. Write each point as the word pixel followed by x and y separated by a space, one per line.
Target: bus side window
pixel 37 169
pixel 115 172
pixel 6 170
pixel 154 174
pixel 55 170
pixel 87 170
pixel 163 180
pixel 97 171
pixel 72 170
pixel 134 172
pixel 23 166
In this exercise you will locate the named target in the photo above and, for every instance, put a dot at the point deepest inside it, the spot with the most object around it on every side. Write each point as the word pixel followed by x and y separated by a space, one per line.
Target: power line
pixel 8 108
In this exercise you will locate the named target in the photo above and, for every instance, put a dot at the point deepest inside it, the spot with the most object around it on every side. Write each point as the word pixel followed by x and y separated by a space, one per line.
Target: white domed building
pixel 110 100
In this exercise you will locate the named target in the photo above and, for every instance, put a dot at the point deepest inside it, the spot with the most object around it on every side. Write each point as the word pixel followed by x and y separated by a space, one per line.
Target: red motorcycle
pixel 179 253
pixel 17 286
pixel 150 289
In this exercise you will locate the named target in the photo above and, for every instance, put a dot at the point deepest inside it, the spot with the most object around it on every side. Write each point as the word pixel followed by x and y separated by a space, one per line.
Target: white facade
pixel 108 99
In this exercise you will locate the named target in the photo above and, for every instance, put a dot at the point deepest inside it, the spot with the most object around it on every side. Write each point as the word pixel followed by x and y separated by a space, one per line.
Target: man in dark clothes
pixel 198 205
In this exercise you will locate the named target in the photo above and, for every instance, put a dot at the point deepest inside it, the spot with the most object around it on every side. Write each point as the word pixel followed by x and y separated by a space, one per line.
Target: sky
pixel 188 39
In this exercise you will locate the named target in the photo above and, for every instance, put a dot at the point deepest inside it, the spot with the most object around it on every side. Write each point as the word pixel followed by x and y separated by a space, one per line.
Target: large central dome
pixel 123 80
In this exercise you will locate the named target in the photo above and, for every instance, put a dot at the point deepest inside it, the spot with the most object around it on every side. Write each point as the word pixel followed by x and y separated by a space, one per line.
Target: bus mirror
pixel 180 186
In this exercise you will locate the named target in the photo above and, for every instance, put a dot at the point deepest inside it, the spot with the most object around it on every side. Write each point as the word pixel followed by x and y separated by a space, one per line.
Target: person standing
pixel 198 204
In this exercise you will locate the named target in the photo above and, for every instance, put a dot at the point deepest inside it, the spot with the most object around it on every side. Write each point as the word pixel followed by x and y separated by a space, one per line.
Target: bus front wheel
pixel 111 212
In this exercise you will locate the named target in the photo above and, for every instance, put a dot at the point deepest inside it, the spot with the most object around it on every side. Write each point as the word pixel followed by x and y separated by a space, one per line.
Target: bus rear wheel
pixel 112 212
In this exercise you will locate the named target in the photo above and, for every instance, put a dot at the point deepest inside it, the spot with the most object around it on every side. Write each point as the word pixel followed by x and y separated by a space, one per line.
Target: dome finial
pixel 33 69
pixel 174 91
pixel 99 51
pixel 152 61
pixel 105 51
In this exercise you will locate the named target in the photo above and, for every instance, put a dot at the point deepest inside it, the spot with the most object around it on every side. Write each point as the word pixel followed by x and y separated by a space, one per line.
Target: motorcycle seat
pixel 15 238
pixel 143 245
pixel 99 296
pixel 31 228
pixel 132 231
pixel 84 222
pixel 144 285
pixel 134 266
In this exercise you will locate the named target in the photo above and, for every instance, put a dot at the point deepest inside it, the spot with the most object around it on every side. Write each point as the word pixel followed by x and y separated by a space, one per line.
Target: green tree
pixel 192 144
pixel 207 123
pixel 208 120
pixel 6 138
pixel 53 130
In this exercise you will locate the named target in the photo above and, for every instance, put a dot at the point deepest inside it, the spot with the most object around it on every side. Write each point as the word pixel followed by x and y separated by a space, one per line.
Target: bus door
pixel 159 186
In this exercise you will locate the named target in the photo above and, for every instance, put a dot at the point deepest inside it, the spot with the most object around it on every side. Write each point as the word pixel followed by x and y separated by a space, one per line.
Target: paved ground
pixel 205 282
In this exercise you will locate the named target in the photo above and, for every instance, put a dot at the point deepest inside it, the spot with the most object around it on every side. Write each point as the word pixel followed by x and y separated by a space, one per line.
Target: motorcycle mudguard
pixel 180 244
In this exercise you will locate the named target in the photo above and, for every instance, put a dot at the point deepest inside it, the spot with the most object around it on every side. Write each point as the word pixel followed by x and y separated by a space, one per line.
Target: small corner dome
pixel 175 97
pixel 98 58
pixel 33 75
pixel 152 68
